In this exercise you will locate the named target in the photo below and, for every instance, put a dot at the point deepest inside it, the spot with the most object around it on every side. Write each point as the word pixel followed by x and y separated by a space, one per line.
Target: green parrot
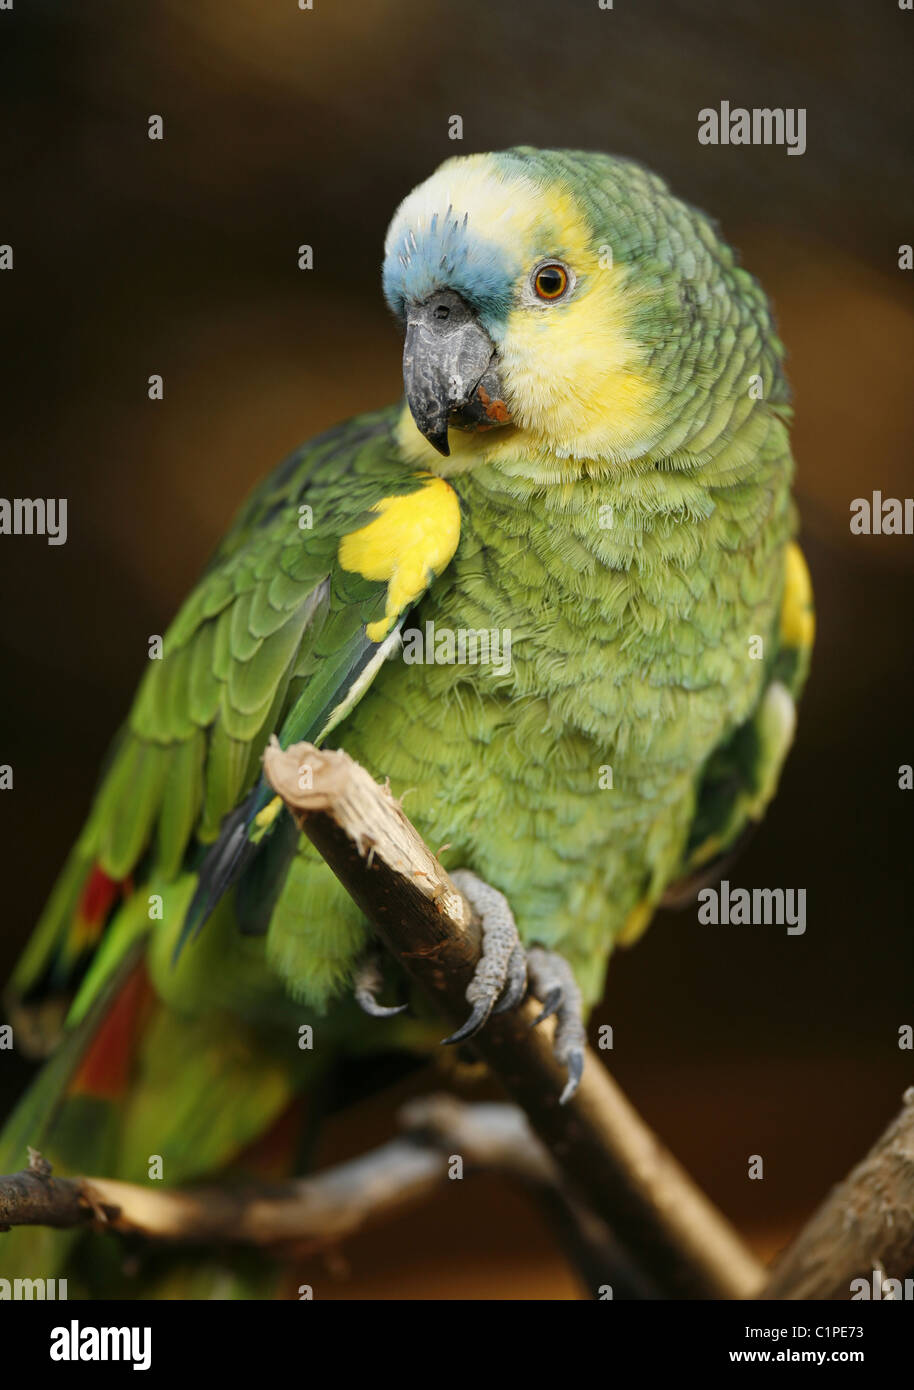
pixel 554 592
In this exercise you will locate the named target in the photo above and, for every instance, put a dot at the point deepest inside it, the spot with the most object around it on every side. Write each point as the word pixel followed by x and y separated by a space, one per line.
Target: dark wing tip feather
pixel 223 864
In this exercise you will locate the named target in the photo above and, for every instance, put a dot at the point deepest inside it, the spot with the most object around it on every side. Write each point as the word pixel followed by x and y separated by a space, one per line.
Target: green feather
pixel 181 803
pixel 204 689
pixel 226 764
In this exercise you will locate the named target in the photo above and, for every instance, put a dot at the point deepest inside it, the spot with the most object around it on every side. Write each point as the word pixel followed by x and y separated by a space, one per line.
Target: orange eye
pixel 551 281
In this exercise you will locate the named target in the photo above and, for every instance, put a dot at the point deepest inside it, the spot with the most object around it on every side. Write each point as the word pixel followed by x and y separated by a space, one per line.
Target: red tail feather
pixel 107 1064
pixel 98 897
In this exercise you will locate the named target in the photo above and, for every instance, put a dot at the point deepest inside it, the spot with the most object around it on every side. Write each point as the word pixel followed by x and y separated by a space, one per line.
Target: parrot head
pixel 568 298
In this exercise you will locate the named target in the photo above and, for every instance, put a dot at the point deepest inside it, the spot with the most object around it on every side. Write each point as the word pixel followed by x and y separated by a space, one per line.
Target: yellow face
pixel 573 374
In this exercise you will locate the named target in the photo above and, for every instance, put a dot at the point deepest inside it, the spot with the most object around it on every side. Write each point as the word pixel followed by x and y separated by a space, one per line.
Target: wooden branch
pixel 34 1198
pixel 866 1223
pixel 615 1162
pixel 310 1214
pixel 488 1136
pixel 596 1148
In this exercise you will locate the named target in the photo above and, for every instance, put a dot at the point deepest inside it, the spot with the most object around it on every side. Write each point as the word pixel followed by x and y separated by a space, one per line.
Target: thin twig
pixel 313 1213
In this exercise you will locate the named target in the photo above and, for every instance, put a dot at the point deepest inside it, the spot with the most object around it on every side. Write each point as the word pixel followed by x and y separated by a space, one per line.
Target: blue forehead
pixel 449 254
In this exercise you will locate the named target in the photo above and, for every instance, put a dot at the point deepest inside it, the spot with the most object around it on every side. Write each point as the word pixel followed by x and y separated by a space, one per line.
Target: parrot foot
pixel 502 976
pixel 500 981
pixel 366 985
pixel 552 981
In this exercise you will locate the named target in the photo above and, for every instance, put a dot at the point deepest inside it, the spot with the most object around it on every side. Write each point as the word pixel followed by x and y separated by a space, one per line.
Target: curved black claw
pixel 371 1006
pixel 501 973
pixel 575 1065
pixel 552 980
pixel 551 1005
pixel 477 1019
pixel 367 981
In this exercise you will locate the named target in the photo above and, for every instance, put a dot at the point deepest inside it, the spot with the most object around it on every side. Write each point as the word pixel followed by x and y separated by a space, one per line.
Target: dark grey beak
pixel 449 370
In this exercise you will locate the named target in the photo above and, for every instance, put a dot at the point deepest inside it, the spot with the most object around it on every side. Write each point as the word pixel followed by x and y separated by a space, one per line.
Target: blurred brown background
pixel 179 257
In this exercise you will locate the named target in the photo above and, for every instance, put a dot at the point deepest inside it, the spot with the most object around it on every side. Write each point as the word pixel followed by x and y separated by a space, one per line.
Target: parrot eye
pixel 550 281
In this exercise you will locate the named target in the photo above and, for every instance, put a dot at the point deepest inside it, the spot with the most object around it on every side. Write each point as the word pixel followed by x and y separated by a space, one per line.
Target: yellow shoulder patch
pixel 798 620
pixel 411 539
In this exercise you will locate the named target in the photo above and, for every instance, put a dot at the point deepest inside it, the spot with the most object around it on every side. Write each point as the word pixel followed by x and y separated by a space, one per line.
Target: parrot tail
pixel 69 1115
pixel 142 1093
pixel 60 952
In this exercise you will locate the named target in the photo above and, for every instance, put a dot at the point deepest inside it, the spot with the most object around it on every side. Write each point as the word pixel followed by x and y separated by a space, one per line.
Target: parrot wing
pixel 292 618
pixel 741 777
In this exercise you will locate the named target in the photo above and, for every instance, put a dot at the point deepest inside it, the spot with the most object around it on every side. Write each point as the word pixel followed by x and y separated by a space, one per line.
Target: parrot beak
pixel 449 370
